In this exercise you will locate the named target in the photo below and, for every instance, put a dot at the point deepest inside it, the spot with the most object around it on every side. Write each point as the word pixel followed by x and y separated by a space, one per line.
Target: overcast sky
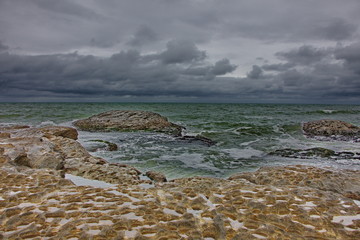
pixel 282 51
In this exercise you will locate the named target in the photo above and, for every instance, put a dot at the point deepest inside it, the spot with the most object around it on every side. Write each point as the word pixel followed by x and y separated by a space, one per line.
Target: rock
pixel 118 120
pixel 345 182
pixel 304 153
pixel 313 153
pixel 198 138
pixel 55 148
pixel 334 129
pixel 156 176
pixel 110 146
pixel 59 131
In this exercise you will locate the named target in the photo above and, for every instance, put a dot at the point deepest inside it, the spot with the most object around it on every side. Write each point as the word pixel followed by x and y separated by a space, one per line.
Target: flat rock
pixel 119 120
pixel 333 129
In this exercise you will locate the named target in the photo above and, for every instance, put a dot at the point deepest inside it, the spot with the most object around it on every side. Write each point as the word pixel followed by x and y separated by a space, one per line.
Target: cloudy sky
pixel 280 51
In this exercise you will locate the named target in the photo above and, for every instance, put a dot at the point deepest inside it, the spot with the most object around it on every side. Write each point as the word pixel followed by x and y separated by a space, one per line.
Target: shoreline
pixel 272 202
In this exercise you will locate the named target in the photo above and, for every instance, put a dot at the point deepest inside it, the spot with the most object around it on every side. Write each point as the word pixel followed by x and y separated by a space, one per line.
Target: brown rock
pixel 156 176
pixel 58 131
pixel 329 128
pixel 128 121
pixel 4 135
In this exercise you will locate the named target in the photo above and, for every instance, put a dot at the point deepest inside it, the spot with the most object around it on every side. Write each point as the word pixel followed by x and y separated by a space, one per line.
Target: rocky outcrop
pixel 292 202
pixel 128 121
pixel 332 129
pixel 40 204
pixel 55 148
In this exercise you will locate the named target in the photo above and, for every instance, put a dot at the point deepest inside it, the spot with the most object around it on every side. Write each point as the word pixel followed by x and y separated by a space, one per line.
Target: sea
pixel 246 135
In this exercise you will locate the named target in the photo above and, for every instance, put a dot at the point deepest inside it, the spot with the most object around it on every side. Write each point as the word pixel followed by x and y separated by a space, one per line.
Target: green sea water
pixel 245 134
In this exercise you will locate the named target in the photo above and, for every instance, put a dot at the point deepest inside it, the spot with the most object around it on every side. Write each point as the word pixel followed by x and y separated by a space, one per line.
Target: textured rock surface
pixel 127 121
pixel 332 128
pixel 55 148
pixel 293 202
pixel 345 182
pixel 156 176
pixel 40 204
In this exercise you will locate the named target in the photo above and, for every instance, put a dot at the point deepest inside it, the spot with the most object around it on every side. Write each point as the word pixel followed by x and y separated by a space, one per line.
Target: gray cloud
pixel 255 73
pixel 181 51
pixel 3 47
pixel 222 67
pixel 91 49
pixel 143 36
pixel 305 55
pixel 124 73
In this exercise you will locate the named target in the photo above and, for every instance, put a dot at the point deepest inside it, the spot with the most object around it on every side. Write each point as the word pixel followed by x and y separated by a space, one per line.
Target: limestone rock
pixel 118 120
pixel 55 148
pixel 156 176
pixel 59 131
pixel 332 128
pixel 345 182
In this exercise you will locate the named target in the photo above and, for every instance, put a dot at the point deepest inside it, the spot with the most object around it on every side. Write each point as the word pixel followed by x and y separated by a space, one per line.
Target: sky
pixel 261 51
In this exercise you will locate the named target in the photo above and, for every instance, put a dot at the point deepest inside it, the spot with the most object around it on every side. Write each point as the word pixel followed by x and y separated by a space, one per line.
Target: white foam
pixel 80 181
pixel 243 153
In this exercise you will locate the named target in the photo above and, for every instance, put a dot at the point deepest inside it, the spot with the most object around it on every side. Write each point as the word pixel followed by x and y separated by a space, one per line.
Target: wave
pixel 9 115
pixel 332 111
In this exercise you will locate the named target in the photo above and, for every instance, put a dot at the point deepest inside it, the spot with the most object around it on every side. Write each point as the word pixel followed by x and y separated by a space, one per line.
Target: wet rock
pixel 314 153
pixel 197 138
pixel 118 120
pixel 333 129
pixel 156 176
pixel 110 146
pixel 304 153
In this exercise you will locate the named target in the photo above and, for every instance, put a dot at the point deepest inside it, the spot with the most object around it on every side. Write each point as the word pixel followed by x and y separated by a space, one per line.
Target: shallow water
pixel 245 134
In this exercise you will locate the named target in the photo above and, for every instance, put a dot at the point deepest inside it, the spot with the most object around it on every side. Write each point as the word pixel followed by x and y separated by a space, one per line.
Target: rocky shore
pixel 52 188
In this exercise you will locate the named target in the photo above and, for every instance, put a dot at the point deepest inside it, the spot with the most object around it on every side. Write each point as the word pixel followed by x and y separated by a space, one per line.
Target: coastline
pixel 296 202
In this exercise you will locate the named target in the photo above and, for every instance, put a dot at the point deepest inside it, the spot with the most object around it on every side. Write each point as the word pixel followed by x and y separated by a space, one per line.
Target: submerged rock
pixel 314 152
pixel 119 120
pixel 156 176
pixel 198 138
pixel 110 146
pixel 304 153
pixel 333 129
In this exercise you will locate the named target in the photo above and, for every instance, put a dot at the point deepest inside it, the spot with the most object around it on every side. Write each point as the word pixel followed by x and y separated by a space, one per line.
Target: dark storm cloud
pixel 124 73
pixel 304 55
pixel 191 48
pixel 222 67
pixel 181 52
pixel 332 73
